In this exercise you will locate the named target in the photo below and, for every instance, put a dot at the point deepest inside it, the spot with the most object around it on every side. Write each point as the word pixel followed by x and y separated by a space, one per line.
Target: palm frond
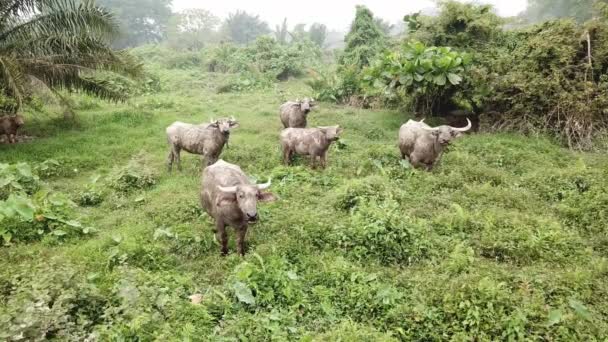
pixel 62 43
pixel 61 17
pixel 12 79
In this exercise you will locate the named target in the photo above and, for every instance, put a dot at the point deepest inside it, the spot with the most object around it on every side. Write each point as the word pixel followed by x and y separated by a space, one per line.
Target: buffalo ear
pixel 226 198
pixel 214 125
pixel 435 133
pixel 266 196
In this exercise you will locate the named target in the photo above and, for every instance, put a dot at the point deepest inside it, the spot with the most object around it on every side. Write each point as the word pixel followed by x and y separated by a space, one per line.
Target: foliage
pixel 459 25
pixel 24 218
pixel 141 21
pixel 543 10
pixel 364 41
pixel 377 231
pixel 49 300
pixel 59 43
pixel 92 194
pixel 537 78
pixel 135 175
pixel 192 29
pixel 243 28
pixel 544 82
pixel 318 33
pixel 261 63
pixel 430 75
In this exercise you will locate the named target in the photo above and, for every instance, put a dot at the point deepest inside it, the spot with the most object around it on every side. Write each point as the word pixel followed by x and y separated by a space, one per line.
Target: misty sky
pixel 336 14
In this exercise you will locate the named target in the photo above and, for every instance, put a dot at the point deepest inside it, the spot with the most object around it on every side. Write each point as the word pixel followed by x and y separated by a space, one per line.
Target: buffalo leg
pixel 222 236
pixel 313 161
pixel 240 240
pixel 323 158
pixel 11 139
pixel 286 155
pixel 417 162
pixel 170 159
pixel 176 157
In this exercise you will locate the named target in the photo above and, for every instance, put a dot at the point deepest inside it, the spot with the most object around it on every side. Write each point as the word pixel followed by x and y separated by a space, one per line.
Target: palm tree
pixel 62 44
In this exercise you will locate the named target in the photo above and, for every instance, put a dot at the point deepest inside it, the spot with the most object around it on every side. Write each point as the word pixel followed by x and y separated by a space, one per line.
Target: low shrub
pixel 92 195
pixel 45 213
pixel 380 231
pixel 136 175
pixel 50 300
pixel 266 283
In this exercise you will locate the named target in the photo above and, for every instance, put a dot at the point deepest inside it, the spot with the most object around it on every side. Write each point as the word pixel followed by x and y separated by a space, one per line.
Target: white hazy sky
pixel 336 14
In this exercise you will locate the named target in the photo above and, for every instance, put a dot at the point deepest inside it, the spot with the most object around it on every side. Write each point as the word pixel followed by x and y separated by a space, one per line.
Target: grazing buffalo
pixel 293 114
pixel 206 139
pixel 423 145
pixel 230 198
pixel 313 142
pixel 9 124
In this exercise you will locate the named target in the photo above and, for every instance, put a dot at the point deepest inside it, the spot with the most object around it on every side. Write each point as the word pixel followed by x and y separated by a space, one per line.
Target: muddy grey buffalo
pixel 312 142
pixel 9 124
pixel 293 114
pixel 230 198
pixel 206 139
pixel 423 145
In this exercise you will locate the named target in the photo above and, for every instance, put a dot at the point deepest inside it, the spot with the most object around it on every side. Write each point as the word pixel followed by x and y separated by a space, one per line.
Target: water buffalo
pixel 9 124
pixel 423 145
pixel 313 142
pixel 230 198
pixel 293 114
pixel 206 139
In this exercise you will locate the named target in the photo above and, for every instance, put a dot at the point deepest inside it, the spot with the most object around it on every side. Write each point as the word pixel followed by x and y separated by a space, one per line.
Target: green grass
pixel 505 240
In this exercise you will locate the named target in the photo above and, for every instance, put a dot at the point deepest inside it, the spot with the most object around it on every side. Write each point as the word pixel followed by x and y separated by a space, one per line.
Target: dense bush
pixel 377 230
pixel 135 175
pixel 430 76
pixel 537 78
pixel 52 300
pixel 29 211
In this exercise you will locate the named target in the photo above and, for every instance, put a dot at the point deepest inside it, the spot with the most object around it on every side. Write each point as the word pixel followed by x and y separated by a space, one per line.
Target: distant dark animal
pixel 313 142
pixel 9 124
pixel 423 145
pixel 230 198
pixel 206 139
pixel 293 114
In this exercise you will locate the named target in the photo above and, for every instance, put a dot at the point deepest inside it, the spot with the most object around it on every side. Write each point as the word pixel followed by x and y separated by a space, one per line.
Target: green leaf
pixel 59 232
pixel 454 79
pixel 25 170
pixel 440 80
pixel 580 309
pixel 23 207
pixel 243 293
pixel 7 236
pixel 555 316
pixel 292 275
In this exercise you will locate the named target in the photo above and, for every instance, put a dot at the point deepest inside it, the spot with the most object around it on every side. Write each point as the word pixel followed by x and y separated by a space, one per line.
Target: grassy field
pixel 505 240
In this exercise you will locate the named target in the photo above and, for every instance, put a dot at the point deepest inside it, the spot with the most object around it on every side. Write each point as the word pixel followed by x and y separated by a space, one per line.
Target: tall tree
pixel 318 33
pixel 61 44
pixel 364 41
pixel 281 32
pixel 192 29
pixel 141 21
pixel 244 28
